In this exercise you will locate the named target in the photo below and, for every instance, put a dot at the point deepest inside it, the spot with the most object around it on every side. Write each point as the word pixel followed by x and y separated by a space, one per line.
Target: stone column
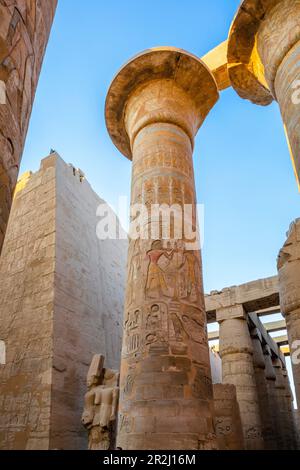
pixel 289 404
pixel 154 109
pixel 271 380
pixel 289 291
pixel 227 418
pixel 285 416
pixel 262 391
pixel 24 32
pixel 236 351
pixel 264 61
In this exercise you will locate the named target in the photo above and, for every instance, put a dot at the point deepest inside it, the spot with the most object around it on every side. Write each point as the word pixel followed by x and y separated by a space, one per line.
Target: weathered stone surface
pixel 286 433
pixel 265 405
pixel 264 58
pixel 236 351
pixel 289 288
pixel 24 30
pixel 61 295
pixel 154 109
pixel 272 394
pixel 227 418
pixel 216 367
pixel 253 296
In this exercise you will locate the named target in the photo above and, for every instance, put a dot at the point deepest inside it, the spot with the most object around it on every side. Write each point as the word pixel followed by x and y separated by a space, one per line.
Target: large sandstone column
pixel 262 391
pixel 289 291
pixel 154 109
pixel 264 60
pixel 236 351
pixel 24 30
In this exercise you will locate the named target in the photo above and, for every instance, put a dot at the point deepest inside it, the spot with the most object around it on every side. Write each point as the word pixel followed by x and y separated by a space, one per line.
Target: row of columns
pixel 261 381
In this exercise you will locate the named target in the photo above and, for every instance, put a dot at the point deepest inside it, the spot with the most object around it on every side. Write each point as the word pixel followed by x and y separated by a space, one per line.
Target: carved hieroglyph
pixel 289 290
pixel 155 106
pixel 101 405
pixel 264 60
pixel 24 30
pixel 227 418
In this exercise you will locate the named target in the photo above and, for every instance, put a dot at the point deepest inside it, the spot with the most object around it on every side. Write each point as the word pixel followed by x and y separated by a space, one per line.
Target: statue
pixel 101 405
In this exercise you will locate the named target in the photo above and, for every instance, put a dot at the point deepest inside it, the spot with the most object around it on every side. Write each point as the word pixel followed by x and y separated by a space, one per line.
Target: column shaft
pixel 263 395
pixel 237 362
pixel 286 437
pixel 289 290
pixel 165 352
pixel 271 380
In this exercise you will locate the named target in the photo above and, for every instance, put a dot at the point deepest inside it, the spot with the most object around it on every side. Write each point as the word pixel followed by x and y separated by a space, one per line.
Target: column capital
pixel 261 35
pixel 232 312
pixel 163 84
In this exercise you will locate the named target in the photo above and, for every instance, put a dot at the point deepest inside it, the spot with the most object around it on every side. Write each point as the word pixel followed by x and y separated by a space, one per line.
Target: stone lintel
pixel 228 313
pixel 254 296
pixel 216 61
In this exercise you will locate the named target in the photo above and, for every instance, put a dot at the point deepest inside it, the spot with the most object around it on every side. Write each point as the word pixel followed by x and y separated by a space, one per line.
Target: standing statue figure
pixel 101 405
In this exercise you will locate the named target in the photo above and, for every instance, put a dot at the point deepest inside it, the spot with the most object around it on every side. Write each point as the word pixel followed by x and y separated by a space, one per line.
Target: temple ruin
pixel 94 355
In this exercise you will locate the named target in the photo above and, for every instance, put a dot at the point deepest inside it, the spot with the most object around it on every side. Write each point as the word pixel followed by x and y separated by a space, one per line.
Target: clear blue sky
pixel 243 170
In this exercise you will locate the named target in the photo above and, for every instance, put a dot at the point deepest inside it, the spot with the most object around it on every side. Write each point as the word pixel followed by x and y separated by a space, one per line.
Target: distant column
pixel 289 403
pixel 154 109
pixel 285 417
pixel 264 60
pixel 236 351
pixel 24 32
pixel 271 380
pixel 262 391
pixel 289 291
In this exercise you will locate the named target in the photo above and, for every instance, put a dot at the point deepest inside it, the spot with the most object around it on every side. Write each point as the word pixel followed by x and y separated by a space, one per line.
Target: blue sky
pixel 243 170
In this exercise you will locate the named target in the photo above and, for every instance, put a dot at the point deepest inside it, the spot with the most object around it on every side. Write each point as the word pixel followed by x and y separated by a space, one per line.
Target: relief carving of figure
pixel 156 283
pixel 101 405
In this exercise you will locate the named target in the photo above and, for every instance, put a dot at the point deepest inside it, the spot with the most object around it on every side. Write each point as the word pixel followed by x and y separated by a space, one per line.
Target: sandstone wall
pixel 61 293
pixel 24 30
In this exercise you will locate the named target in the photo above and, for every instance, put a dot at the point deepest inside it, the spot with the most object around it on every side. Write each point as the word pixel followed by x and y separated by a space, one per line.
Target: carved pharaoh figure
pixel 101 405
